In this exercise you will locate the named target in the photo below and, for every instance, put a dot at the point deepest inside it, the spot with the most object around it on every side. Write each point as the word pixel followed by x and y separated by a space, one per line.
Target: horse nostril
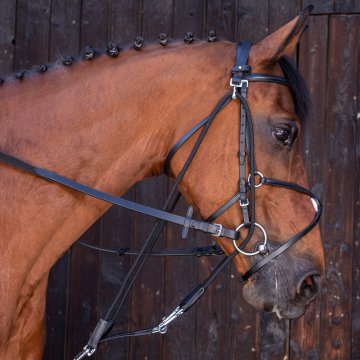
pixel 310 286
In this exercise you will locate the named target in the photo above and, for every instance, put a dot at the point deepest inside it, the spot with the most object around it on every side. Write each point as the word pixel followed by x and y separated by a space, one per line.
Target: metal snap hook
pixel 262 247
pixel 257 173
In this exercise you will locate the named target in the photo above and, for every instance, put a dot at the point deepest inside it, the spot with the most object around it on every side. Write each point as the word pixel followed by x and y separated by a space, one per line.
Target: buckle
pixel 244 204
pixel 236 85
pixel 218 230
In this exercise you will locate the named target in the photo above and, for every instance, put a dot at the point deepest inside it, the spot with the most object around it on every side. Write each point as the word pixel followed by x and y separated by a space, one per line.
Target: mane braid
pixel 298 88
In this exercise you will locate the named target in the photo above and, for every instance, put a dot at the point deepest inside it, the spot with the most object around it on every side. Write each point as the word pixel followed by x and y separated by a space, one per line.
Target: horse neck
pixel 106 124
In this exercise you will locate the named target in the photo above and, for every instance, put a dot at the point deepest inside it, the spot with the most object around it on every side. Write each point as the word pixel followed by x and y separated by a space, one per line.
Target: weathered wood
pixel 250 12
pixel 339 189
pixel 64 28
pixel 305 332
pixel 220 16
pixel 32 27
pixel 117 232
pixel 320 7
pixel 7 35
pixel 94 23
pixel 355 313
pixel 125 20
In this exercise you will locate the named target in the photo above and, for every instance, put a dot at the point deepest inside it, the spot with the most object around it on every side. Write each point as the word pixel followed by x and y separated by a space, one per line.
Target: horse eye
pixel 284 135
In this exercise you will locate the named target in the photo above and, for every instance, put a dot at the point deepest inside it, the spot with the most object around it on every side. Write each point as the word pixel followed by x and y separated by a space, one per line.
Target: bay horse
pixel 109 123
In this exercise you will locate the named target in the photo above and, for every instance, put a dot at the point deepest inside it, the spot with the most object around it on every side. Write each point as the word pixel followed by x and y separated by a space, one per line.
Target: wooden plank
pixel 250 12
pixel 95 29
pixel 181 278
pixel 189 16
pixel 65 27
pixel 7 35
pixel 32 33
pixel 339 189
pixel 320 6
pixel 117 232
pixel 147 294
pixel 157 17
pixel 346 6
pixel 305 332
pixel 356 250
pixel 281 12
pixel 220 16
pixel 83 292
pixel 125 20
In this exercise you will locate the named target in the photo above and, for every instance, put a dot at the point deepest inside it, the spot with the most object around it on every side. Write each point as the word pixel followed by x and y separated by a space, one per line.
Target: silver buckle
pixel 244 204
pixel 218 230
pixel 235 86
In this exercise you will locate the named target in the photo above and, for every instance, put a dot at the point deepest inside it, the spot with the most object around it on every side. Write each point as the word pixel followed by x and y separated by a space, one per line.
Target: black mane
pixel 298 87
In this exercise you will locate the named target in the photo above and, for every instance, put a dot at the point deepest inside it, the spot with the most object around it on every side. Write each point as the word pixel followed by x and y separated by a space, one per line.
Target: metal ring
pixel 255 252
pixel 261 178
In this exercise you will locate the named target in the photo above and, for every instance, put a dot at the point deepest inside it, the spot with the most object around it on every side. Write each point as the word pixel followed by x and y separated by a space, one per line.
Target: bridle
pixel 247 185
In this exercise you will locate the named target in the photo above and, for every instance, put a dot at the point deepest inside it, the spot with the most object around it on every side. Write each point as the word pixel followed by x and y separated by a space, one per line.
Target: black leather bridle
pixel 247 184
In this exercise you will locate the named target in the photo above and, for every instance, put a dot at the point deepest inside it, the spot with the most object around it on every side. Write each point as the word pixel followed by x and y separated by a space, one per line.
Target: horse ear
pixel 283 41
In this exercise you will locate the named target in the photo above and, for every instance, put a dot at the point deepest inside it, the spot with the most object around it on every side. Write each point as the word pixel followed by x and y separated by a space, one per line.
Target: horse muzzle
pixel 283 289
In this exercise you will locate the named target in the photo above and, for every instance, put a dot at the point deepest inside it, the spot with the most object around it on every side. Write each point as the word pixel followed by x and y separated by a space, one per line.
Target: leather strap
pixel 186 222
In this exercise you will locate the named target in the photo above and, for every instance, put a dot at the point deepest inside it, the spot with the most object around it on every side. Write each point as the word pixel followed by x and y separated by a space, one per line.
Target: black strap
pixel 209 250
pixel 296 237
pixel 186 222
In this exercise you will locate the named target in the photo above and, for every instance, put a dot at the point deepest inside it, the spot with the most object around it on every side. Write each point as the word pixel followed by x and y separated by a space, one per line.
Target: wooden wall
pixel 222 326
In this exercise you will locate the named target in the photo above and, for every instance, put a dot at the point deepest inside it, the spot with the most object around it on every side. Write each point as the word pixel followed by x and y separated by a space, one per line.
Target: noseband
pixel 245 197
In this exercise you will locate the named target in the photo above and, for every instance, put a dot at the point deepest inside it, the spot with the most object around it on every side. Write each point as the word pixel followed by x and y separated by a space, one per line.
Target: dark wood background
pixel 222 325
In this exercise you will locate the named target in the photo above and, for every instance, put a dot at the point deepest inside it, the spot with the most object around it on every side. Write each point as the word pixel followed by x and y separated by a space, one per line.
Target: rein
pixel 247 184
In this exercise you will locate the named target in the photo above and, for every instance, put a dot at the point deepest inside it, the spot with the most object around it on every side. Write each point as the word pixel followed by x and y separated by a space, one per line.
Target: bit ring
pixel 255 252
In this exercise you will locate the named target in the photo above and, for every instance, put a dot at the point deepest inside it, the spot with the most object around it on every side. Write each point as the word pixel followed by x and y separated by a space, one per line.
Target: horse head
pixel 291 280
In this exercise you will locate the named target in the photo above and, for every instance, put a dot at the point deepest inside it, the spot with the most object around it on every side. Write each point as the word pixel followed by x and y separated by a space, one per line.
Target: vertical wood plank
pixel 189 16
pixel 65 27
pixel 220 16
pixel 125 20
pixel 157 17
pixel 339 190
pixel 281 12
pixel 320 6
pixel 305 332
pixel 83 292
pixel 346 6
pixel 147 294
pixel 94 23
pixel 250 12
pixel 32 33
pixel 117 232
pixel 7 35
pixel 356 250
